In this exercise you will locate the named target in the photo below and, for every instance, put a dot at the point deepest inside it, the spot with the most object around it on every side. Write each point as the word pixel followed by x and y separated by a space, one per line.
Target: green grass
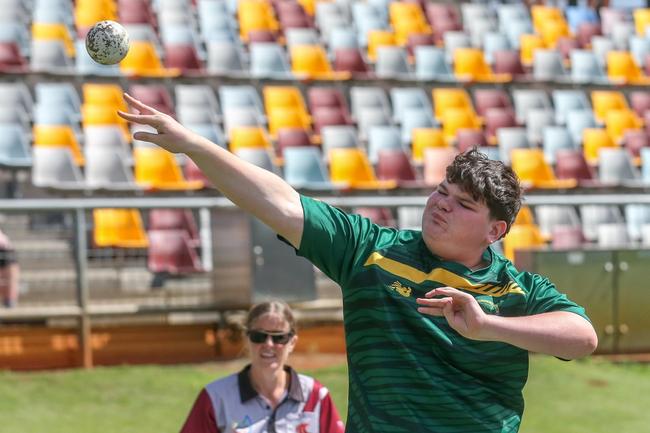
pixel 591 396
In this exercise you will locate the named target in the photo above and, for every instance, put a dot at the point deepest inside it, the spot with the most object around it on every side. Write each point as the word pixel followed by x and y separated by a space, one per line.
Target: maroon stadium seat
pixel 155 95
pixel 175 219
pixel 490 98
pixel 183 57
pixel 328 116
pixel 634 141
pixel 261 36
pixel 11 59
pixel 171 252
pixel 394 164
pixel 292 137
pixel 508 62
pixel 496 118
pixel 640 101
pixel 467 138
pixel 136 12
pixel 571 164
pixel 319 97
pixel 351 60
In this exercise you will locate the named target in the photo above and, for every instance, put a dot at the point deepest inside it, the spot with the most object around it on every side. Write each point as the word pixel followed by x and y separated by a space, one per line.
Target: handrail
pixel 580 196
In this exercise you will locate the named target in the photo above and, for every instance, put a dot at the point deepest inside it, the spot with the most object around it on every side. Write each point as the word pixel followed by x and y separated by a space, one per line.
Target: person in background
pixel 9 272
pixel 267 396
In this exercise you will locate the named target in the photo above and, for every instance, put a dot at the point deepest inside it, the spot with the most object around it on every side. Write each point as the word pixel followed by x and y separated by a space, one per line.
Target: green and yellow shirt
pixel 410 372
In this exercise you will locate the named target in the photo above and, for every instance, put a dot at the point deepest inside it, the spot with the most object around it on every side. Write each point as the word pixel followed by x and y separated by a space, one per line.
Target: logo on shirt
pixel 246 422
pixel 487 305
pixel 399 288
pixel 302 428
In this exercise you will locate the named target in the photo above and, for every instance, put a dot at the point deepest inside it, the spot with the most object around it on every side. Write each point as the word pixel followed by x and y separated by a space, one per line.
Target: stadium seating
pixel 331 95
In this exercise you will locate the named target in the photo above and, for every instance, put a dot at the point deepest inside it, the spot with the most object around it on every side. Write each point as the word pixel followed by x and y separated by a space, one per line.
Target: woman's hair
pixel 273 307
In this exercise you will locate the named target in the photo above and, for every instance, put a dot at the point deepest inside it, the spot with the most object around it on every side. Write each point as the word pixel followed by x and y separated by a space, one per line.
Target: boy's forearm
pixel 560 333
pixel 256 190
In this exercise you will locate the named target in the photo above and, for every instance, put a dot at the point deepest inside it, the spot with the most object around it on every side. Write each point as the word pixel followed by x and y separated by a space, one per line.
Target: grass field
pixel 592 396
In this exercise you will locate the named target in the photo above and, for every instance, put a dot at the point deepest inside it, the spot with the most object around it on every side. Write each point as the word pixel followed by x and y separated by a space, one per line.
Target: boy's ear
pixel 497 230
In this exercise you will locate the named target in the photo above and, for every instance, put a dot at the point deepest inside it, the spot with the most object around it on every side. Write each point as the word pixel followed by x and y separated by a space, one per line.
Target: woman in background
pixel 267 396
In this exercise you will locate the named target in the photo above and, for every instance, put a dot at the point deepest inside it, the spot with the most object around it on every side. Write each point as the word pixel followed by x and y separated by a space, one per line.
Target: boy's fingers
pixel 142 108
pixel 431 311
pixel 147 119
pixel 144 136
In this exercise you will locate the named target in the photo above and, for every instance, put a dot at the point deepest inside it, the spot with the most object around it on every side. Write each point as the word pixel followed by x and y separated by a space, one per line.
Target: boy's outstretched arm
pixel 258 191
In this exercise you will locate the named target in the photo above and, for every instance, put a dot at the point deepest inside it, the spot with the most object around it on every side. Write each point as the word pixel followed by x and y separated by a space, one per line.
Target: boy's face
pixel 457 227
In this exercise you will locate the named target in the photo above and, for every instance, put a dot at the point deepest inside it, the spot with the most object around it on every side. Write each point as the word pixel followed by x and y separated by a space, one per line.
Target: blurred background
pixel 122 253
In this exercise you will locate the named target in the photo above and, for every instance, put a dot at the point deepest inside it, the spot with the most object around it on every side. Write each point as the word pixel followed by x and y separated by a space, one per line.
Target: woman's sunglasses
pixel 260 337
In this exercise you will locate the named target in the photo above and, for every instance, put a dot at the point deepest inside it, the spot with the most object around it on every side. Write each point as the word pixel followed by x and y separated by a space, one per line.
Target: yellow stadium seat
pixel 54 31
pixel 279 100
pixel 156 168
pixel 87 14
pixel 533 171
pixel 450 97
pixel 422 139
pixel 379 38
pixel 283 97
pixel 604 100
pixel 119 228
pixel 525 216
pixel 454 119
pixel 522 236
pixel 528 45
pixel 542 14
pixel 248 137
pixel 105 5
pixel 58 135
pixel 619 121
pixel 470 65
pixel 593 139
pixel 103 114
pixel 104 94
pixel 552 30
pixel 406 19
pixel 255 15
pixel 641 21
pixel 309 6
pixel 310 61
pixel 285 117
pixel 622 69
pixel 351 166
pixel 143 61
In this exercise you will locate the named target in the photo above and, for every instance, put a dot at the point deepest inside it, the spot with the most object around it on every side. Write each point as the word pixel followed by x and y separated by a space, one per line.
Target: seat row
pixel 170 238
pixel 384 39
pixel 404 122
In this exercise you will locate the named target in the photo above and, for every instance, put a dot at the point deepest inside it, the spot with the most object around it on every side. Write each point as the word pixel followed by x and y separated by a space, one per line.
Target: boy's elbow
pixel 592 341
pixel 586 344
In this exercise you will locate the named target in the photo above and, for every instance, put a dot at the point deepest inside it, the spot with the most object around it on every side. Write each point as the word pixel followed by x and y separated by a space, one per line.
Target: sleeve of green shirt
pixel 333 240
pixel 543 297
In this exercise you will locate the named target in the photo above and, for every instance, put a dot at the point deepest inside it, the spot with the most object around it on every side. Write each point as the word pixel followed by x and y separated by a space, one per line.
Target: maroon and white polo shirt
pixel 231 405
